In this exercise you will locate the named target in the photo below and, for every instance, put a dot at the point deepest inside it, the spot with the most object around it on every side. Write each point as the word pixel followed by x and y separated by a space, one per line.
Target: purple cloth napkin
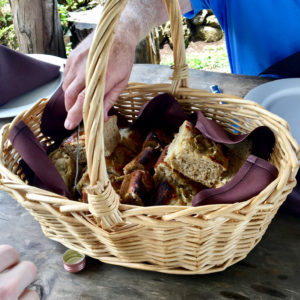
pixel 164 111
pixel 37 166
pixel 54 115
pixel 53 118
pixel 20 73
pixel 255 174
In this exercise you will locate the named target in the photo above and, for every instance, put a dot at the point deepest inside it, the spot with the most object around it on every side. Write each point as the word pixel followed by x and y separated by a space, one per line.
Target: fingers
pixel 74 116
pixel 72 92
pixel 29 295
pixel 75 68
pixel 9 257
pixel 15 280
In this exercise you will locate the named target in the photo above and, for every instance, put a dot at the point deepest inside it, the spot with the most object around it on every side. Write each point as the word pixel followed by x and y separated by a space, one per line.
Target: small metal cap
pixel 73 261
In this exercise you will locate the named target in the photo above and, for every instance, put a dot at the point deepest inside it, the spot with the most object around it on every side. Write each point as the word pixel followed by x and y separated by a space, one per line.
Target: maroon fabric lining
pixel 20 73
pixel 164 111
pixel 53 118
pixel 54 115
pixel 255 174
pixel 35 156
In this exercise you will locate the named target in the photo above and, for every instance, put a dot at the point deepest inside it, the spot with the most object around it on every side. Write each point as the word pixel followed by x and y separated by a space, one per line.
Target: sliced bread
pixel 196 157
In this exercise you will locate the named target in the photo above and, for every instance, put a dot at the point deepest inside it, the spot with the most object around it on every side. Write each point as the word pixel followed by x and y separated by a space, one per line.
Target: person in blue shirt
pixel 258 34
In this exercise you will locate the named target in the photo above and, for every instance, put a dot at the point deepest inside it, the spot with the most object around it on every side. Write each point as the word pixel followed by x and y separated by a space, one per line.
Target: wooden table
pixel 271 270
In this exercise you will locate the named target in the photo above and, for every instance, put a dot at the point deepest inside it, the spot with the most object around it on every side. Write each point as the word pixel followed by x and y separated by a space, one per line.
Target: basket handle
pixel 103 200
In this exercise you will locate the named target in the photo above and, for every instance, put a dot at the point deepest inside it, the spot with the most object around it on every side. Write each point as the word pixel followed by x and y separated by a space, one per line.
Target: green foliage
pixel 71 5
pixel 66 6
pixel 212 58
pixel 68 48
pixel 7 33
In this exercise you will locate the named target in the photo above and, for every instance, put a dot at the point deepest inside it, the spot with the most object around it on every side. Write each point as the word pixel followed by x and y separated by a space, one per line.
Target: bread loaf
pixel 111 140
pixel 111 135
pixel 145 160
pixel 131 139
pixel 65 166
pixel 238 154
pixel 157 138
pixel 118 159
pixel 173 187
pixel 69 146
pixel 196 157
pixel 137 188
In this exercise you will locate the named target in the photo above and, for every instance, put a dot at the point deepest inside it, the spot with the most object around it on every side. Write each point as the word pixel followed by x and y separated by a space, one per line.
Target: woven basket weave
pixel 170 239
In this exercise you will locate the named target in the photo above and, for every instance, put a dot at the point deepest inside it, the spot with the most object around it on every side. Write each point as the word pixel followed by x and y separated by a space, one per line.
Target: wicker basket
pixel 170 239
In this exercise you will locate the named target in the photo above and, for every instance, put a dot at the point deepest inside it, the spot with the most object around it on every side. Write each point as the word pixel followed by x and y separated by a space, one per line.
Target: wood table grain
pixel 270 271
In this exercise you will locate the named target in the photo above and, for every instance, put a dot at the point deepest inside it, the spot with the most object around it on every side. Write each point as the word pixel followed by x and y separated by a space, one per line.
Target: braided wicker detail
pixel 180 72
pixel 104 205
pixel 93 116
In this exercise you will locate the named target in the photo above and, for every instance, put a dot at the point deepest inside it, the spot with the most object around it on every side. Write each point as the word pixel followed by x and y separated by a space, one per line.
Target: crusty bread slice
pixel 84 182
pixel 111 140
pixel 69 146
pixel 196 157
pixel 137 188
pixel 131 139
pixel 111 135
pixel 145 160
pixel 118 159
pixel 238 154
pixel 172 187
pixel 157 138
pixel 65 166
pixel 167 193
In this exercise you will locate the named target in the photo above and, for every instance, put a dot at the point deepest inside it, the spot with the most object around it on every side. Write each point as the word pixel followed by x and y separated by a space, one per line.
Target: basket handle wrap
pixel 103 200
pixel 180 69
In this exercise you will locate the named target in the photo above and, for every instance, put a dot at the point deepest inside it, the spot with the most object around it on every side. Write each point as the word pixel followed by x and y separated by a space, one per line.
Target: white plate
pixel 25 101
pixel 281 97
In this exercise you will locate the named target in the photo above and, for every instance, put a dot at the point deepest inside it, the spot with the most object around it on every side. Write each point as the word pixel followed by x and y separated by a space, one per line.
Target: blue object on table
pixel 215 89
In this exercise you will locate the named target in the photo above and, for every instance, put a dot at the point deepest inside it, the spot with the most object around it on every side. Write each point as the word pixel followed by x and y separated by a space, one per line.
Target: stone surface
pixel 186 32
pixel 82 23
pixel 212 21
pixel 207 33
pixel 200 17
pixel 270 271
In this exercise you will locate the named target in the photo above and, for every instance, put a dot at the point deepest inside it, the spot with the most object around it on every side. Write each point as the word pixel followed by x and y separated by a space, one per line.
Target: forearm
pixel 140 16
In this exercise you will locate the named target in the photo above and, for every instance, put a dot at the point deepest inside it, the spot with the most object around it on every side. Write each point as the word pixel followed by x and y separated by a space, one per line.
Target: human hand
pixel 119 67
pixel 15 275
pixel 136 20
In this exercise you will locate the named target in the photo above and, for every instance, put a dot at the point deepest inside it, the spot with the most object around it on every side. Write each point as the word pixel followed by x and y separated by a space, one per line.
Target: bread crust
pixel 196 157
pixel 137 188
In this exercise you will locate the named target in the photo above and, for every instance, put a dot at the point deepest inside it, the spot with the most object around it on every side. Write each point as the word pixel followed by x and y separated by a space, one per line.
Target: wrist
pixel 129 28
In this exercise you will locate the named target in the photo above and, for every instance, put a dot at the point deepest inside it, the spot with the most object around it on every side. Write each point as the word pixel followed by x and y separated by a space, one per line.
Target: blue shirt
pixel 258 33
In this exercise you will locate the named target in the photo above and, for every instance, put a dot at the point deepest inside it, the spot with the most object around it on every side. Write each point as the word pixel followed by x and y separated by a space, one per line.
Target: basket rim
pixel 10 176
